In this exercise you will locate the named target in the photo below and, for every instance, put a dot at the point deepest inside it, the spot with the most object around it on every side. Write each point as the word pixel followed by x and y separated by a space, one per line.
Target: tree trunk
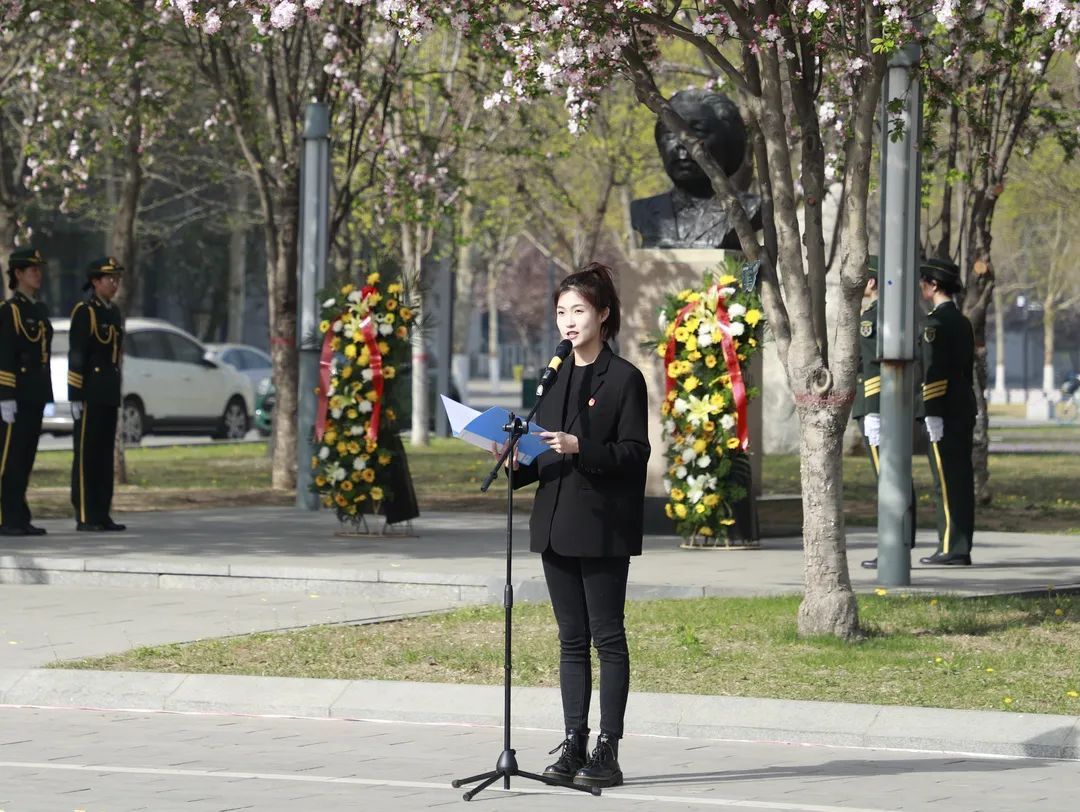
pixel 829 606
pixel 238 265
pixel 282 238
pixel 1001 387
pixel 978 295
pixel 1049 316
pixel 8 229
pixel 493 329
pixel 463 298
pixel 412 253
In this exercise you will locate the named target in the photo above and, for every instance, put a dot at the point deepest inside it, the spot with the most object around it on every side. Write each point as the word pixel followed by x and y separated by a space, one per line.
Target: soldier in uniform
pixel 867 407
pixel 25 387
pixel 94 391
pixel 948 345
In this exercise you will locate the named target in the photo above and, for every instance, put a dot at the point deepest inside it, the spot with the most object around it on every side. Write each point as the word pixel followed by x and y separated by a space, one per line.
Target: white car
pixel 171 385
pixel 252 361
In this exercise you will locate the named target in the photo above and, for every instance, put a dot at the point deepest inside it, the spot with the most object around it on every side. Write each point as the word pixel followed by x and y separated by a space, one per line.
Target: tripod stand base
pixel 504 769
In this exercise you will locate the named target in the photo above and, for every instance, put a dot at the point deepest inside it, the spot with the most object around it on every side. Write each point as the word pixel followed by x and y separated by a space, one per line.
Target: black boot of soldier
pixel 575 748
pixel 602 769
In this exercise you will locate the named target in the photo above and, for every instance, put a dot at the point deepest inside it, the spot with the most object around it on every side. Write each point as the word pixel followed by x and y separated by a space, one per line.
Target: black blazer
pixel 591 504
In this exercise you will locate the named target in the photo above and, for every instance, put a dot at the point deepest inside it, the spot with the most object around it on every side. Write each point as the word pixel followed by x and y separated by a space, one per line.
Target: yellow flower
pixel 352 414
pixel 389 372
pixel 320 480
pixel 694 356
pixel 368 474
pixel 674 369
pixel 354 448
pixel 665 408
pixel 1072 694
pixel 373 278
pixel 711 500
pixel 690 384
pixel 384 459
pixel 324 326
pixel 733 442
pixel 393 288
pixel 752 317
pixel 384 348
pixel 709 426
pixel 327 500
pixel 881 592
pixel 691 343
pixel 330 437
pixel 314 463
pixel 680 510
pixel 727 522
pixel 390 415
pixel 401 331
pixel 694 297
pixel 406 313
pixel 360 497
pixel 346 485
pixel 753 342
pixel 376 493
pixel 364 359
pixel 1059 612
pixel 700 446
pixel 355 476
pixel 346 372
pixel 391 304
pixel 350 350
pixel 989 670
pixel 341 447
pixel 1008 700
pixel 370 446
pixel 347 289
pixel 706 531
pixel 726 280
pixel 681 334
pixel 389 318
pixel 340 499
pixel 677 494
pixel 335 344
pixel 668 511
pixel 372 396
pixel 699 508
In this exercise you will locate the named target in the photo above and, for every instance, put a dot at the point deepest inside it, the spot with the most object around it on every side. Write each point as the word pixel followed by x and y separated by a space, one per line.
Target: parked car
pixel 252 361
pixel 171 385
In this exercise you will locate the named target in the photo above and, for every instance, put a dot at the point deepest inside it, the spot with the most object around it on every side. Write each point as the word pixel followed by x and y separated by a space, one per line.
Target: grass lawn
pixel 1020 654
pixel 1033 492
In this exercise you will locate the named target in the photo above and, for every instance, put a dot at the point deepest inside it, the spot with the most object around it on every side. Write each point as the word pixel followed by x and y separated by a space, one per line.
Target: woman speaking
pixel 587 517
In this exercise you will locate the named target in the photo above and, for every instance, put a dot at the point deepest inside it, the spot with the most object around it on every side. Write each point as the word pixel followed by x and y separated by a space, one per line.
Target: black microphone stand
pixel 507 765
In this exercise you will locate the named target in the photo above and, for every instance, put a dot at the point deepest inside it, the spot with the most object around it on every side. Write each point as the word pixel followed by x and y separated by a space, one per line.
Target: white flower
pixel 364 406
pixel 358 464
pixel 662 321
pixel 704 338
pixel 737 328
pixel 329 302
pixel 386 329
pixel 367 374
pixel 669 426
pixel 736 310
pixel 727 293
pixel 680 472
pixel 356 430
pixel 283 15
pixel 324 452
pixel 337 326
pixel 335 413
pixel 667 485
pixel 727 422
pixel 689 454
pixel 679 406
pixel 339 474
pixel 355 296
pixel 704 461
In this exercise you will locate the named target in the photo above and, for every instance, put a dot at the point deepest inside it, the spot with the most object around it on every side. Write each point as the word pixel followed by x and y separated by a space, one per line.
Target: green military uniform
pixel 948 351
pixel 96 340
pixel 25 347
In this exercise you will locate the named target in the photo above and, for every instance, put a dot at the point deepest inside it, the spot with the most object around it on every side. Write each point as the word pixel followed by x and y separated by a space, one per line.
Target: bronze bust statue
pixel 688 215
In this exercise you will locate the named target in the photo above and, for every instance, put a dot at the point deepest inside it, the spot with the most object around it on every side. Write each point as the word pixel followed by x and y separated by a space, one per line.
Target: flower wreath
pixel 707 338
pixel 365 339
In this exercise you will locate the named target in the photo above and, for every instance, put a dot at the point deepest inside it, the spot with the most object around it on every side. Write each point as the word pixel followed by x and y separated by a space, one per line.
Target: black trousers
pixel 954 484
pixel 92 468
pixel 18 448
pixel 588 596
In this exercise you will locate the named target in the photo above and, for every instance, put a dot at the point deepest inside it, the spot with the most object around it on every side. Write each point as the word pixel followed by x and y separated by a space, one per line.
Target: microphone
pixel 547 377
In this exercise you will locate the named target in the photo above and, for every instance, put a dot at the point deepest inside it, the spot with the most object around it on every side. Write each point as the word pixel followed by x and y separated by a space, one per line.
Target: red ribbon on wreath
pixel 731 358
pixel 367 329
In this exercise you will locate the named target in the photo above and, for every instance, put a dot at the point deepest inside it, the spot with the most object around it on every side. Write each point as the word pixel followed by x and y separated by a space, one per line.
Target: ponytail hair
pixel 596 285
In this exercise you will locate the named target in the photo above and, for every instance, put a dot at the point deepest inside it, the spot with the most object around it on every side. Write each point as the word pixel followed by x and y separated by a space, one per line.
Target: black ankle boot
pixel 602 769
pixel 574 749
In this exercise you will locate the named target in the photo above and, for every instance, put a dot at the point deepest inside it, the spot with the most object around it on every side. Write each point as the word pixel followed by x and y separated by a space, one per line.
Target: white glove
pixel 872 429
pixel 935 428
pixel 76 409
pixel 7 410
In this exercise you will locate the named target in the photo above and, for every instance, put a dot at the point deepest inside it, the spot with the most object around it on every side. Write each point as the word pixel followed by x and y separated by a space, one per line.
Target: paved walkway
pixel 187 575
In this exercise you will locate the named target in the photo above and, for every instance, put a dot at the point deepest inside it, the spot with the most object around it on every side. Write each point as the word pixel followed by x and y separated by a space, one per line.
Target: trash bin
pixel 528 393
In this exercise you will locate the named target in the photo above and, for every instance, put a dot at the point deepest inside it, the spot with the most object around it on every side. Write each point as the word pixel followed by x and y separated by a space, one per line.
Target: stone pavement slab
pixel 65 760
pixel 459 558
